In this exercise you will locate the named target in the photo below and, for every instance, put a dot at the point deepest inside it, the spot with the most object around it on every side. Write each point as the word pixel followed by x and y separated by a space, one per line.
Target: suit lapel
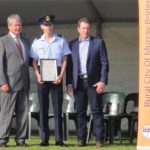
pixel 25 47
pixel 76 51
pixel 90 48
pixel 14 46
pixel 75 58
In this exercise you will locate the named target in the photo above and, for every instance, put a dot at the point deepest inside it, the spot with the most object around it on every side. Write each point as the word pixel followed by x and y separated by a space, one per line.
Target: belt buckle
pixel 85 76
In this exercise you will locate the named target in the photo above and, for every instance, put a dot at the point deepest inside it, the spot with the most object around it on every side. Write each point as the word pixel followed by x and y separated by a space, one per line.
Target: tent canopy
pixel 69 11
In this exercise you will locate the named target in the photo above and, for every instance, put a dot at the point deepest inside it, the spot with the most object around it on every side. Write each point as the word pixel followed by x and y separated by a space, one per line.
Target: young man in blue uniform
pixel 50 46
pixel 87 75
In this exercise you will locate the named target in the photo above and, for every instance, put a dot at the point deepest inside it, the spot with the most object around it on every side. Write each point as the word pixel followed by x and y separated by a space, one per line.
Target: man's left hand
pixel 100 86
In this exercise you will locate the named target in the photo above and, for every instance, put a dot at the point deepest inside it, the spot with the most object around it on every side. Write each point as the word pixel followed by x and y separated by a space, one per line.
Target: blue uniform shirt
pixel 56 48
pixel 83 54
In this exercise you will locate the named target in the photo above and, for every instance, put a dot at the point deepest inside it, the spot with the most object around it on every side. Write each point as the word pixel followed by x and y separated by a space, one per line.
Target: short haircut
pixel 13 17
pixel 86 20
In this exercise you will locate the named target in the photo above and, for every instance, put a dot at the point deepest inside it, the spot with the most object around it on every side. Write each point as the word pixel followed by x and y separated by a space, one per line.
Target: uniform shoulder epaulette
pixel 38 37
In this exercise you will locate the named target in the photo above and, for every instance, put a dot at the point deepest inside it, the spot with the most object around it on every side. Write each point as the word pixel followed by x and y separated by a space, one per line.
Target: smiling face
pixel 84 30
pixel 15 27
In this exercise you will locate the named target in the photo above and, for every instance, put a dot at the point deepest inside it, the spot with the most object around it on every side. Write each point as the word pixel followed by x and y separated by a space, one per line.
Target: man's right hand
pixel 69 90
pixel 5 88
pixel 39 79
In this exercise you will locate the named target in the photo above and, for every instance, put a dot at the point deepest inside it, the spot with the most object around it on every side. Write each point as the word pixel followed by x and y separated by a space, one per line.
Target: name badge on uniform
pixel 41 50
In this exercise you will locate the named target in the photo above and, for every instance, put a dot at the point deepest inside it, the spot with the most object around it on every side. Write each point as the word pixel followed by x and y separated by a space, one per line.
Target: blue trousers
pixel 57 100
pixel 82 94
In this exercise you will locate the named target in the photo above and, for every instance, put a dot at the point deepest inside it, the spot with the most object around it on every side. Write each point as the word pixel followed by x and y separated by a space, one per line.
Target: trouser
pixel 57 100
pixel 82 94
pixel 9 103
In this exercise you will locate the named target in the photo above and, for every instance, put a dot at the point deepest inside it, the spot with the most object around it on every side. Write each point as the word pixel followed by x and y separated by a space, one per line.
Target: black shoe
pixel 3 145
pixel 44 144
pixel 22 144
pixel 60 143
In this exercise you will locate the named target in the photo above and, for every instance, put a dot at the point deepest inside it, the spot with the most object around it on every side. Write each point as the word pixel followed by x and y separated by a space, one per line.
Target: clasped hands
pixel 57 81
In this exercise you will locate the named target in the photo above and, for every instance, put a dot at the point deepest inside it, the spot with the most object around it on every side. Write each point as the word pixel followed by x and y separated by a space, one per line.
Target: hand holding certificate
pixel 48 69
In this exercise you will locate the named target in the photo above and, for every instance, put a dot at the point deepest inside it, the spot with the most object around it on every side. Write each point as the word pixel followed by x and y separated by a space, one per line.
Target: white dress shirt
pixel 83 54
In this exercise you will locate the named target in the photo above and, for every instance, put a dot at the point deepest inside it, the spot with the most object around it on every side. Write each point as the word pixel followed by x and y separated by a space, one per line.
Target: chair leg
pixel 64 127
pixel 105 131
pixel 89 129
pixel 131 133
pixel 67 126
pixel 133 121
pixel 118 128
pixel 29 125
pixel 129 125
pixel 111 128
pixel 120 134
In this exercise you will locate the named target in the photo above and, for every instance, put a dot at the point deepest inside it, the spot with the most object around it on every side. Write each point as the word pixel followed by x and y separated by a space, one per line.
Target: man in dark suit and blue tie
pixel 87 75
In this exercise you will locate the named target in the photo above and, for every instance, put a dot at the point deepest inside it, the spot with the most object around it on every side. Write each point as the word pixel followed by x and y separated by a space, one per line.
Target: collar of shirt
pixel 55 37
pixel 14 36
pixel 84 40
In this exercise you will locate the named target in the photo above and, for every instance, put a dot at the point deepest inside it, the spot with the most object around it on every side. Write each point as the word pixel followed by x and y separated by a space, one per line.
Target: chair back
pixel 34 102
pixel 112 102
pixel 131 103
pixel 70 105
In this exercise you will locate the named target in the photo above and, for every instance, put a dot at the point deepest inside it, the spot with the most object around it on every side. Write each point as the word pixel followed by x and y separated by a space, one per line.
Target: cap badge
pixel 47 18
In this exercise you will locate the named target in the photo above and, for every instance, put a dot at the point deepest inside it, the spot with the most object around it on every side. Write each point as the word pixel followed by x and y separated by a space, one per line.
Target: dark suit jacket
pixel 13 70
pixel 97 62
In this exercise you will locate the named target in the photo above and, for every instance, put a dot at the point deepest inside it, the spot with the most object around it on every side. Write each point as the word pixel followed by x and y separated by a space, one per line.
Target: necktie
pixel 19 47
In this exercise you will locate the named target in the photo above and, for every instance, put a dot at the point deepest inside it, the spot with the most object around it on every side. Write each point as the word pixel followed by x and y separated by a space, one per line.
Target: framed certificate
pixel 48 69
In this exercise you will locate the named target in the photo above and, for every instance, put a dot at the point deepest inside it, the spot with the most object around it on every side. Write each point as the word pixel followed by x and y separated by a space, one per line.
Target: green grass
pixel 33 145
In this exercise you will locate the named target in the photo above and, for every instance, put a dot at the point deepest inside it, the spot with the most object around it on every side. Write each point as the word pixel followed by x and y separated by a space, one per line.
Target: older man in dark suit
pixel 14 81
pixel 87 75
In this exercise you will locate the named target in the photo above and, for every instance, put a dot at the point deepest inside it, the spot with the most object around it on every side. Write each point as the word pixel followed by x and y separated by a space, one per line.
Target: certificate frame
pixel 48 70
